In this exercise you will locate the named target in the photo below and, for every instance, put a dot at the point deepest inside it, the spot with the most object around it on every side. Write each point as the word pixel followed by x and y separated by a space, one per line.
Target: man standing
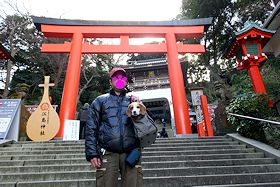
pixel 82 116
pixel 110 136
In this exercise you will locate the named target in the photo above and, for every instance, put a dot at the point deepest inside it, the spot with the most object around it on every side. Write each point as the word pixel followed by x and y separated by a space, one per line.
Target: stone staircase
pixel 218 161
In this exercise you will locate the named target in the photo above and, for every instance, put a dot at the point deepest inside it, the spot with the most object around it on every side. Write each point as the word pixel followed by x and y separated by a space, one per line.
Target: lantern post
pixel 247 47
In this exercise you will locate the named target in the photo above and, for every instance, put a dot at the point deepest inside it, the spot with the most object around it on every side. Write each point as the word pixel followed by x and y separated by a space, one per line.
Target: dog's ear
pixel 142 108
pixel 128 112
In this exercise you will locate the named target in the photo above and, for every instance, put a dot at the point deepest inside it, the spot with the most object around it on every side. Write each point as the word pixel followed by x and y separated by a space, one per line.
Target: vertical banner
pixel 71 130
pixel 8 122
pixel 200 121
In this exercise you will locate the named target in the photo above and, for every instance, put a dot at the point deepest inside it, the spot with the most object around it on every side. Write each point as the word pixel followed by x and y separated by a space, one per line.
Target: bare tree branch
pixel 85 86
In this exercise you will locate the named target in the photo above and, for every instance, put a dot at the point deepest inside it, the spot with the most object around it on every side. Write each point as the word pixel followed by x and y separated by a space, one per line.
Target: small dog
pixel 136 109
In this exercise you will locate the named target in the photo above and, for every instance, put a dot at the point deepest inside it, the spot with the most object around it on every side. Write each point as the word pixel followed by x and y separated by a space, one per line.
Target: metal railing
pixel 276 123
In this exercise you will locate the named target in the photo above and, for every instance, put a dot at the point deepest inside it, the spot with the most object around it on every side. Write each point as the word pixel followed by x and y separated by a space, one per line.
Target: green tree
pixel 270 72
pixel 18 37
pixel 228 17
pixel 94 76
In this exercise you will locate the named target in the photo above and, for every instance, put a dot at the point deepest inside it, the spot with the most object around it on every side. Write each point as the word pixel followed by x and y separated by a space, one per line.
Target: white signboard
pixel 196 96
pixel 71 130
pixel 4 124
pixel 9 119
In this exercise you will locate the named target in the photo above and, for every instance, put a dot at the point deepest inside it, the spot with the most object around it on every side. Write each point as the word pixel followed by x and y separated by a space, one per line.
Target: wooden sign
pixel 43 123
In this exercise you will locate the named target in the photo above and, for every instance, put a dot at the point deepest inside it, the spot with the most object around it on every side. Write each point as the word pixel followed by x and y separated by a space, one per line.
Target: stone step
pixel 170 181
pixel 63 147
pixel 202 157
pixel 197 152
pixel 81 142
pixel 216 162
pixel 193 138
pixel 190 156
pixel 86 172
pixel 81 183
pixel 201 147
pixel 163 171
pixel 271 184
pixel 166 150
pixel 157 140
pixel 210 170
pixel 224 179
pixel 152 164
pixel 43 176
pixel 194 141
pixel 169 141
pixel 190 148
pixel 154 153
pixel 45 168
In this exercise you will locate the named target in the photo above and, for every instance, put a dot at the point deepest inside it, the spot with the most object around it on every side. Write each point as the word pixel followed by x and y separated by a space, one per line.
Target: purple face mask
pixel 120 81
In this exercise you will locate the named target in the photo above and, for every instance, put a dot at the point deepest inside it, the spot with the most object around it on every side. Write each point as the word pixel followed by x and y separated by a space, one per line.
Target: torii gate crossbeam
pixel 77 30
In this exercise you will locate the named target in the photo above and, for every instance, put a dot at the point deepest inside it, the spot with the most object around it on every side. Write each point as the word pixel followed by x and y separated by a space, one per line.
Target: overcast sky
pixel 122 10
pixel 132 10
pixel 118 10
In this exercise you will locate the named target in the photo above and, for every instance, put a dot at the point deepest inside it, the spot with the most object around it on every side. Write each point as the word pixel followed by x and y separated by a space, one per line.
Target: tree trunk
pixel 9 69
pixel 8 78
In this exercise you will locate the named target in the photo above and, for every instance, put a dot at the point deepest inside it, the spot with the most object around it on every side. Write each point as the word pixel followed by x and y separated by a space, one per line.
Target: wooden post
pixel 256 79
pixel 206 116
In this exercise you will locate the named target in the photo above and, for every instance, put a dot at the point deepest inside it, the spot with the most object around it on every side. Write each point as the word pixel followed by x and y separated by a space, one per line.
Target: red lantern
pixel 247 49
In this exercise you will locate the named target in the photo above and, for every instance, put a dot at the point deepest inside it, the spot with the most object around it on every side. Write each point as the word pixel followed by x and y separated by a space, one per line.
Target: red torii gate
pixel 80 29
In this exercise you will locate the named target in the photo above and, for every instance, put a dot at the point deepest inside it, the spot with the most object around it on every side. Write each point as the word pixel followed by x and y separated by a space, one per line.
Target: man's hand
pixel 95 162
pixel 135 98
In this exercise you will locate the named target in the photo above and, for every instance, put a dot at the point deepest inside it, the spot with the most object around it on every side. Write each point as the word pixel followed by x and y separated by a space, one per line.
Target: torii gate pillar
pixel 179 99
pixel 72 82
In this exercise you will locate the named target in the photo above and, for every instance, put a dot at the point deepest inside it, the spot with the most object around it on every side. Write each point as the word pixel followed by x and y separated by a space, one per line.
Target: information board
pixel 196 96
pixel 9 118
pixel 71 130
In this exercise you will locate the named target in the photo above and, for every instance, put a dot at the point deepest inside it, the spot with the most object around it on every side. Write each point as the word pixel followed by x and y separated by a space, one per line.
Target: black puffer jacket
pixel 108 126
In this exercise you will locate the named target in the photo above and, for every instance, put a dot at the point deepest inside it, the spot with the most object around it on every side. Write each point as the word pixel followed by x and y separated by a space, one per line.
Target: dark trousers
pixel 82 130
pixel 113 164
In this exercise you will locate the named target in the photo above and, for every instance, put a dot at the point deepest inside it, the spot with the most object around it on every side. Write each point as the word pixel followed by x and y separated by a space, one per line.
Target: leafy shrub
pixel 272 133
pixel 250 105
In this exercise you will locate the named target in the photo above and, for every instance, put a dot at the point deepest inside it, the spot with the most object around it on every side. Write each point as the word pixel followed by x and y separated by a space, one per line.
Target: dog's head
pixel 135 109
